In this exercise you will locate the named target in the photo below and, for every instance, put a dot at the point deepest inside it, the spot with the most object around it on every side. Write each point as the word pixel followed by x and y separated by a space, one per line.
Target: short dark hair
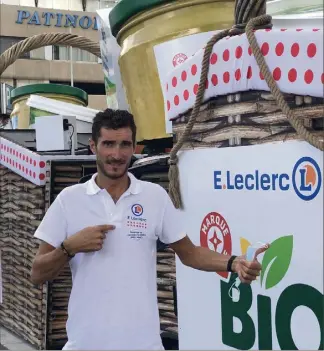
pixel 112 119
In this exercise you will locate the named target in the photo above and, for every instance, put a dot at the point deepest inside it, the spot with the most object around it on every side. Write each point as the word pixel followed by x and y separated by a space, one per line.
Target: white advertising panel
pixel 234 197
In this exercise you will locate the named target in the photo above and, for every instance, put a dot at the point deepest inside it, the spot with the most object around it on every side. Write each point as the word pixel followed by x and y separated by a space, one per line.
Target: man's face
pixel 114 151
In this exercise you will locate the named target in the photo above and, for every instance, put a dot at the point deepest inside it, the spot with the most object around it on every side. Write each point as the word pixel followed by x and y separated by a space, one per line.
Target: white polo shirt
pixel 113 302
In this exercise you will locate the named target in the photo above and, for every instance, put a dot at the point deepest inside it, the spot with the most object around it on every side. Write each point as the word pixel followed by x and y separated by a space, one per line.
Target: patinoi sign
pixel 234 197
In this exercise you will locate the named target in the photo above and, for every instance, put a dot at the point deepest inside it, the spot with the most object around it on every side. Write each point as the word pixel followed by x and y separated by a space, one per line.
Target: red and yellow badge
pixel 215 235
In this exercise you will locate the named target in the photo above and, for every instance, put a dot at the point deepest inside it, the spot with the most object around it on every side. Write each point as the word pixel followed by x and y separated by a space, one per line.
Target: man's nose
pixel 116 152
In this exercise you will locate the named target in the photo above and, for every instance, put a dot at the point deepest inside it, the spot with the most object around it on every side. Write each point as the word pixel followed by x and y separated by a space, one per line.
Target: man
pixel 108 228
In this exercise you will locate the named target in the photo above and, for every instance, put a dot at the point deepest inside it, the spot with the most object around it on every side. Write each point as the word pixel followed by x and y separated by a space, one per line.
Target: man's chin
pixel 116 174
pixel 112 172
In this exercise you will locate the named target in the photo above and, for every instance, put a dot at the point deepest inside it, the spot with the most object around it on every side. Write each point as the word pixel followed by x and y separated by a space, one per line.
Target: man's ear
pixel 92 146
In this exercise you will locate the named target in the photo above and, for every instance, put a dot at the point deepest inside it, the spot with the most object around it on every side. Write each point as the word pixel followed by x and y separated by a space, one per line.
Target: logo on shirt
pixel 137 223
pixel 137 210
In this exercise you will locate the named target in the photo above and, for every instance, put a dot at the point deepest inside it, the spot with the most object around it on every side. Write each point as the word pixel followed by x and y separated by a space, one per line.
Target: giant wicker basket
pixel 228 94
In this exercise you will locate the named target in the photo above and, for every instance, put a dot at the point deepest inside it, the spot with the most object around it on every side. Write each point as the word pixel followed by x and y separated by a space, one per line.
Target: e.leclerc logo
pixel 305 179
pixel 137 210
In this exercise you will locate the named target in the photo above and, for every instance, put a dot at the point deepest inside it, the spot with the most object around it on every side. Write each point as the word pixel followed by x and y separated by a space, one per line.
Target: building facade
pixel 20 19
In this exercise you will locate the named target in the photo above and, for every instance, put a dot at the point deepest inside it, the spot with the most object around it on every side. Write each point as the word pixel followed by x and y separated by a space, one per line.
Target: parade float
pixel 247 169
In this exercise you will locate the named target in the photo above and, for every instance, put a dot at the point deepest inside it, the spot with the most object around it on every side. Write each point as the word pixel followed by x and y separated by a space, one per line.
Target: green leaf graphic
pixel 276 261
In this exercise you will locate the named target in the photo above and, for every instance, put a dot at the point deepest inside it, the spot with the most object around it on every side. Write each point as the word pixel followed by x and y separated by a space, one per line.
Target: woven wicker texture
pixel 22 206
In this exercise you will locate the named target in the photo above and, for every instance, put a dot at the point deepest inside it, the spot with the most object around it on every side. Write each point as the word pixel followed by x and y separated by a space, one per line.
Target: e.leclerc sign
pixel 56 19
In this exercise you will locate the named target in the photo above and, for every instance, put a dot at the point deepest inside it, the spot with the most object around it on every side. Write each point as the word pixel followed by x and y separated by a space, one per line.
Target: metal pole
pixel 71 54
pixel 71 61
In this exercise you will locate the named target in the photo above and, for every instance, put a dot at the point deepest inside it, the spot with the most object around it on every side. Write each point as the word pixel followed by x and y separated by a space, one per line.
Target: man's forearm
pixel 207 260
pixel 47 267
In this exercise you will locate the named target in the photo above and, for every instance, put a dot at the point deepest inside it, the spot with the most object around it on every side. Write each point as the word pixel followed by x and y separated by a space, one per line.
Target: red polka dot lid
pixel 294 56
pixel 30 165
pixel 24 162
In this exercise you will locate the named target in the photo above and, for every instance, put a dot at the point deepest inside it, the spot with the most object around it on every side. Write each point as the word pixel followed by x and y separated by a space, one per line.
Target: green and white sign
pixel 5 105
pixel 235 197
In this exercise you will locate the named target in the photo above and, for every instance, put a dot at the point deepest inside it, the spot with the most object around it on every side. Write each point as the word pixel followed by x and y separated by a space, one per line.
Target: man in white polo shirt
pixel 107 228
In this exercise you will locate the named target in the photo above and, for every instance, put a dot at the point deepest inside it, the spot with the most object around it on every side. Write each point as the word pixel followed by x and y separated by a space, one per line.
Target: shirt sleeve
pixel 172 224
pixel 53 227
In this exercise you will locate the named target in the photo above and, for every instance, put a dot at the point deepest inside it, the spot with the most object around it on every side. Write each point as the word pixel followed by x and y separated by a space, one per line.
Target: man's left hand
pixel 247 271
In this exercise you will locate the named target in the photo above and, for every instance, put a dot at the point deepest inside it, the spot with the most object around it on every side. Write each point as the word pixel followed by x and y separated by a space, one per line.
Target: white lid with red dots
pixel 294 56
pixel 22 161
pixel 30 165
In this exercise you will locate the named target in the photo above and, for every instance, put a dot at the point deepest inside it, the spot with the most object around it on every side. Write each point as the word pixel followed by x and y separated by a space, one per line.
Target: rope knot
pixel 173 160
pixel 240 28
pixel 237 29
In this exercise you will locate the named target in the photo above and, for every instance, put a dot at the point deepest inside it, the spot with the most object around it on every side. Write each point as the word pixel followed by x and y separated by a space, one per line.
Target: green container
pixel 22 116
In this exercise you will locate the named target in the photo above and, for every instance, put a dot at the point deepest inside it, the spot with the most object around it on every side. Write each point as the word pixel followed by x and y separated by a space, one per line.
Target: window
pixel 27 3
pixel 94 5
pixel 10 2
pixel 6 42
pixel 47 4
pixel 63 53
pixel 38 54
pixel 49 52
pixel 107 3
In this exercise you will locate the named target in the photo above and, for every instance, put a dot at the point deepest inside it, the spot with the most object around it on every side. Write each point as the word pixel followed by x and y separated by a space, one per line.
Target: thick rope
pixel 174 187
pixel 37 41
pixel 245 11
pixel 296 123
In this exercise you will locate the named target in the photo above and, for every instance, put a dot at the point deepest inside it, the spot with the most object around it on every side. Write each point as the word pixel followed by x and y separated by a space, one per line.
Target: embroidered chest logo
pixel 137 222
pixel 137 210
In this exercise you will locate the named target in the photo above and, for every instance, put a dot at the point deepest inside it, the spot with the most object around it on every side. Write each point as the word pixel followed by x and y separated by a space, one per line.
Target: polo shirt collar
pixel 93 188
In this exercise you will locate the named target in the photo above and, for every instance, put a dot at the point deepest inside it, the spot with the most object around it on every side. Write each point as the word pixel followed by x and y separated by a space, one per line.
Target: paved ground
pixel 9 341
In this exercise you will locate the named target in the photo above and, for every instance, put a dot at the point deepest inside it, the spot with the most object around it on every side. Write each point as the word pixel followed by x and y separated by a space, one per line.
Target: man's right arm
pixel 52 231
pixel 48 263
pixel 50 260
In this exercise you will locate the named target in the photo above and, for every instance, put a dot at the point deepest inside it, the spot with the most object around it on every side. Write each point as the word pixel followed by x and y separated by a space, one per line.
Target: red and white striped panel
pixel 294 56
pixel 22 161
